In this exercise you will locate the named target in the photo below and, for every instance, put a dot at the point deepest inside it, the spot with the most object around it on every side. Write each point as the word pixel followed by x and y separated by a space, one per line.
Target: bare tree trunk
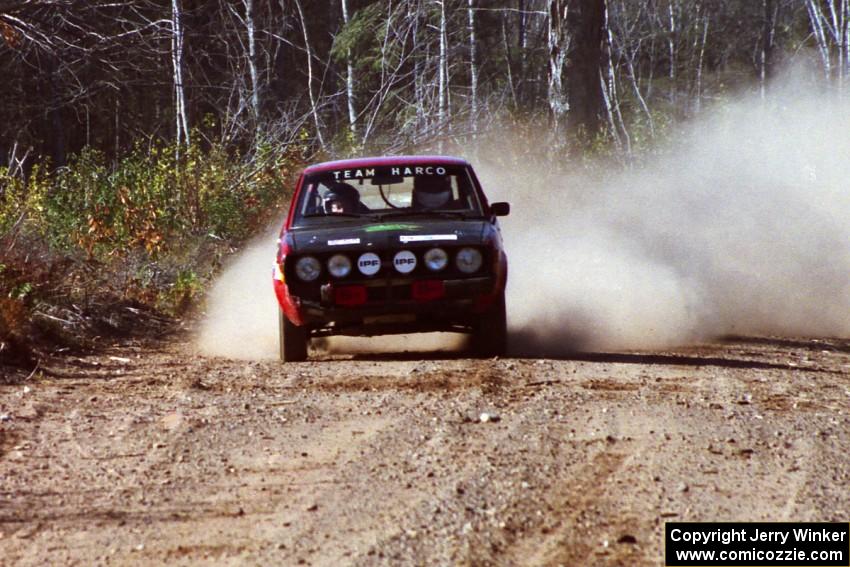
pixel 418 71
pixel 841 25
pixel 837 31
pixel 846 15
pixel 630 65
pixel 770 12
pixel 388 74
pixel 473 66
pixel 314 109
pixel 522 42
pixel 558 45
pixel 508 72
pixel 671 45
pixel 698 101
pixel 252 67
pixel 611 98
pixel 349 78
pixel 117 137
pixel 444 66
pixel 181 118
pixel 585 66
pixel 816 19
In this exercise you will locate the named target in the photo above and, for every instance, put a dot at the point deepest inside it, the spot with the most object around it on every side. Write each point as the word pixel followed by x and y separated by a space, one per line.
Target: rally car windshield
pixel 388 192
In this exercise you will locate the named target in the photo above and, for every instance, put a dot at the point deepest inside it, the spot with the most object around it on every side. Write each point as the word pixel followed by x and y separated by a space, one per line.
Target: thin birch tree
pixel 252 65
pixel 349 78
pixel 314 107
pixel 473 66
pixel 181 116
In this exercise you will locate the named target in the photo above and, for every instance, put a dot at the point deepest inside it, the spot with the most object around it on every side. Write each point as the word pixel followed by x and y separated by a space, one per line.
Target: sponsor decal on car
pixel 392 226
pixel 368 173
pixel 404 261
pixel 353 174
pixel 343 241
pixel 410 171
pixel 369 264
pixel 426 237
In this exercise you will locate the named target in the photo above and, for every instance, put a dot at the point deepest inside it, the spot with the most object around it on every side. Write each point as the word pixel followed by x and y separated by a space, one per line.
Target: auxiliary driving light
pixel 308 268
pixel 369 264
pixel 436 259
pixel 468 260
pixel 339 265
pixel 404 261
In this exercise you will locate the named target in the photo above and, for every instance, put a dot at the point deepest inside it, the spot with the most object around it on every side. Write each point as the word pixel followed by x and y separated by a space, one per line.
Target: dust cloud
pixel 240 321
pixel 742 227
pixel 241 315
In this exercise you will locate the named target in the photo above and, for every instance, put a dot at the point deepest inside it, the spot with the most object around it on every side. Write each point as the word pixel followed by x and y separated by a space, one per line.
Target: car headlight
pixel 436 259
pixel 308 268
pixel 339 265
pixel 468 260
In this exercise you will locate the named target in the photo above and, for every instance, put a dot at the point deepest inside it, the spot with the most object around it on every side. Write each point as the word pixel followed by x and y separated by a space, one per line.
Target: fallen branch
pixel 37 364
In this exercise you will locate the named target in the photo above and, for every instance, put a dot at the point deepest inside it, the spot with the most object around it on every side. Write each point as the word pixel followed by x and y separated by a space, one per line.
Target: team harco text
pixel 394 171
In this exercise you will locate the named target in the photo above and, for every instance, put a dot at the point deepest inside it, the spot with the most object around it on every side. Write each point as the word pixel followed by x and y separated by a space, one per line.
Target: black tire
pixel 293 340
pixel 490 333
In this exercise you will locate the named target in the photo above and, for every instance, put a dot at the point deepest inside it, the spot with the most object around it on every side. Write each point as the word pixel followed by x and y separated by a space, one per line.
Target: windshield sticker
pixel 409 171
pixel 343 242
pixel 354 174
pixel 427 237
pixel 368 173
pixel 393 226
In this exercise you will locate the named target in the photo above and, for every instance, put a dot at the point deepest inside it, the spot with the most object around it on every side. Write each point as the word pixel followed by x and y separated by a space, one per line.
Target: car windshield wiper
pixel 448 214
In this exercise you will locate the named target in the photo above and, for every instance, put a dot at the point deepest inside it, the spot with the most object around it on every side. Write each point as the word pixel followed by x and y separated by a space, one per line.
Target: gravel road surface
pixel 149 454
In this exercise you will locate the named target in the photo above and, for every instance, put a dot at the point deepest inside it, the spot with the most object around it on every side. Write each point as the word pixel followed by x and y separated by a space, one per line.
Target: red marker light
pixel 428 290
pixel 350 295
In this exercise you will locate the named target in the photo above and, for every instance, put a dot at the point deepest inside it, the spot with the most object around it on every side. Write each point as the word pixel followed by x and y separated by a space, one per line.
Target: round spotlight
pixel 404 261
pixel 468 260
pixel 369 264
pixel 308 268
pixel 436 259
pixel 339 265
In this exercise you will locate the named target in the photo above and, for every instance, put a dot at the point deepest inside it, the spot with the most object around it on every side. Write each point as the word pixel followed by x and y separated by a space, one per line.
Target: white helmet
pixel 431 191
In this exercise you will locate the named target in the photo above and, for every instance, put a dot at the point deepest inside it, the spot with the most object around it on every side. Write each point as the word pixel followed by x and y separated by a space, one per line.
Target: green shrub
pixel 142 224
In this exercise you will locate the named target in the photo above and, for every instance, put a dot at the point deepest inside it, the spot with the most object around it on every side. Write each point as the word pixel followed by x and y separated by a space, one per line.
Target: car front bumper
pixel 392 309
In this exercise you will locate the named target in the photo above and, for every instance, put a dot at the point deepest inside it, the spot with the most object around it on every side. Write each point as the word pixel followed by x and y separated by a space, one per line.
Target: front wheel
pixel 490 333
pixel 293 340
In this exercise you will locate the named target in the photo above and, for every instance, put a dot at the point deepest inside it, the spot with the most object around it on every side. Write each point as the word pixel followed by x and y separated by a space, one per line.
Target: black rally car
pixel 390 245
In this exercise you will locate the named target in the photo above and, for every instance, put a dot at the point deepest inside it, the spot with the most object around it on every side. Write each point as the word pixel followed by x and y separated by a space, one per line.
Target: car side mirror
pixel 500 209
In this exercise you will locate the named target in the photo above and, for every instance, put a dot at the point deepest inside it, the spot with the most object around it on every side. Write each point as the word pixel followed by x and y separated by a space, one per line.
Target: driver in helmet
pixel 431 191
pixel 341 198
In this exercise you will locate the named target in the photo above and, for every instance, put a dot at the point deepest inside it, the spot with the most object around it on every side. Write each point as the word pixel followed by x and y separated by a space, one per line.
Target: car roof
pixel 384 161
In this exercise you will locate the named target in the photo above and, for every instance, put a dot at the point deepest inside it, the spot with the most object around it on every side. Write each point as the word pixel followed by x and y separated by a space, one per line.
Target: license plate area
pixel 390 319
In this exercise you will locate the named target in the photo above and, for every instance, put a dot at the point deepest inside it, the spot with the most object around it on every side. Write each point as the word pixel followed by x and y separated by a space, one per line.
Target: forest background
pixel 143 142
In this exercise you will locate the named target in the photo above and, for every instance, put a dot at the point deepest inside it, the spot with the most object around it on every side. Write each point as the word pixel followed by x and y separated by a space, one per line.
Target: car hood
pixel 390 234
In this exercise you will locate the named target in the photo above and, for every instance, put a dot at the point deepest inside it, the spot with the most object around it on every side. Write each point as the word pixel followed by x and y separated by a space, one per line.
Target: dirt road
pixel 149 454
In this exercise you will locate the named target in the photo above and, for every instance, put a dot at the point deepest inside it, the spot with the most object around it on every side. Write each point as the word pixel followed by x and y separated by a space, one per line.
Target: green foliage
pixel 147 199
pixel 150 228
pixel 365 31
pixel 21 291
pixel 185 290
